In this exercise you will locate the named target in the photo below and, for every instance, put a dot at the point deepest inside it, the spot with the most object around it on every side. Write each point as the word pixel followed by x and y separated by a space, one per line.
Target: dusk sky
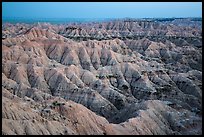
pixel 101 9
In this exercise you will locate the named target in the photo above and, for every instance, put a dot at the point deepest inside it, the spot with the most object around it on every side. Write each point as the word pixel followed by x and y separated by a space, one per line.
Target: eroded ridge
pixel 119 77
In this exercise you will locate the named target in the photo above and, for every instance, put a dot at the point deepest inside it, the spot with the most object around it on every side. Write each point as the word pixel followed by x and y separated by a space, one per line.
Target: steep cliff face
pixel 103 84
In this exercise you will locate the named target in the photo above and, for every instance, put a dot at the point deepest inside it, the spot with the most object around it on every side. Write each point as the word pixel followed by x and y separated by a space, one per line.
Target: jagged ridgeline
pixel 113 77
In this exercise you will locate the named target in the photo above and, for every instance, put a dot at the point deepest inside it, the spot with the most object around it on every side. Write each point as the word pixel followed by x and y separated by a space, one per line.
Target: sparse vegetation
pixel 56 103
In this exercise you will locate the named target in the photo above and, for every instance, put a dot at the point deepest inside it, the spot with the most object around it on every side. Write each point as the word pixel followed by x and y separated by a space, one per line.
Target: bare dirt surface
pixel 137 77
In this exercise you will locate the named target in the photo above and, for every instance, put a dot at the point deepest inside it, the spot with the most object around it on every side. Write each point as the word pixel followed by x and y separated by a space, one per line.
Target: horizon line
pixel 93 18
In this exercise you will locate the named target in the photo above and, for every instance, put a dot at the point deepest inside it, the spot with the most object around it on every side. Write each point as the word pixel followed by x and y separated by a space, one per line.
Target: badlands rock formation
pixel 119 77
